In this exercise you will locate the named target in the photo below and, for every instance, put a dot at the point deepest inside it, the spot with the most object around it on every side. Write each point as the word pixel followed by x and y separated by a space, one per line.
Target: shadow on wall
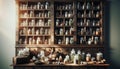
pixel 109 52
pixel 5 50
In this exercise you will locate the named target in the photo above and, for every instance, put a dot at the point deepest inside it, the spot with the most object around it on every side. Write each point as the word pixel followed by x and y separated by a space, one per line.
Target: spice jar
pixel 71 40
pixel 59 41
pixel 67 41
pixel 72 54
pixel 99 56
pixel 88 57
pixel 88 6
pixel 57 22
pixel 61 31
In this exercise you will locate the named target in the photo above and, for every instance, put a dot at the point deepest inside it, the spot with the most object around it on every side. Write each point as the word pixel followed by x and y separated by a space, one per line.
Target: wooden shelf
pixel 49 65
pixel 58 46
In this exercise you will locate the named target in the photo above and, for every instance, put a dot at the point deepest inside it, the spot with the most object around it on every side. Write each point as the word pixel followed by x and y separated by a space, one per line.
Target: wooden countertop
pixel 44 65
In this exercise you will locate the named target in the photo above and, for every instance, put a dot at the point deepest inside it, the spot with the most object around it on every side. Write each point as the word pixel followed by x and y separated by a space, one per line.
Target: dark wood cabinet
pixel 60 25
pixel 46 66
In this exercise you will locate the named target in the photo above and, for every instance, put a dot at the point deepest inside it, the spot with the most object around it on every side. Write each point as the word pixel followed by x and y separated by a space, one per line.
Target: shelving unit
pixel 64 24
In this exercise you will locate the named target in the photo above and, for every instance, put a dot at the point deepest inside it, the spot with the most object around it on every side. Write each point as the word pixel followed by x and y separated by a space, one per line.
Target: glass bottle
pixel 21 32
pixel 75 59
pixel 48 14
pixel 46 5
pixel 71 30
pixel 66 23
pixel 20 41
pixel 25 42
pixel 88 57
pixel 93 24
pixel 78 5
pixel 57 22
pixel 81 40
pixel 30 40
pixel 72 54
pixel 46 41
pixel 70 6
pixel 71 40
pixel 83 56
pixel 88 6
pixel 83 7
pixel 28 32
pixel 56 32
pixel 66 14
pixel 66 33
pixel 67 40
pixel 59 41
pixel 97 14
pixel 89 41
pixel 70 22
pixel 38 5
pixel 49 22
pixel 46 31
pixel 37 32
pixel 33 41
pixel 96 40
pixel 97 31
pixel 99 56
pixel 31 14
pixel 88 22
pixel 42 6
pixel 61 31
pixel 41 31
pixel 33 31
pixel 79 56
pixel 33 58
pixel 38 40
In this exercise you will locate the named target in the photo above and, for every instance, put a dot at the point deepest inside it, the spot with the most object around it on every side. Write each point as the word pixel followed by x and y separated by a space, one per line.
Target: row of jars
pixel 95 14
pixel 46 5
pixel 33 14
pixel 88 5
pixel 89 22
pixel 61 31
pixel 74 57
pixel 68 40
pixel 34 22
pixel 31 40
pixel 38 5
pixel 89 31
pixel 33 31
pixel 64 14
pixel 90 40
pixel 68 22
pixel 64 6
pixel 78 57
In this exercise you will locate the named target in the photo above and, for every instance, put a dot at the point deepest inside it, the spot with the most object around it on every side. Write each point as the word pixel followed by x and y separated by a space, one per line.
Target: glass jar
pixel 66 14
pixel 88 6
pixel 37 32
pixel 71 40
pixel 61 31
pixel 46 5
pixel 38 5
pixel 88 57
pixel 33 41
pixel 67 40
pixel 57 22
pixel 59 41
pixel 99 56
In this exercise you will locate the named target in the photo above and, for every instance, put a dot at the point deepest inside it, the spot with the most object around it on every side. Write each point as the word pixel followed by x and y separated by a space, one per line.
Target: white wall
pixel 7 32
